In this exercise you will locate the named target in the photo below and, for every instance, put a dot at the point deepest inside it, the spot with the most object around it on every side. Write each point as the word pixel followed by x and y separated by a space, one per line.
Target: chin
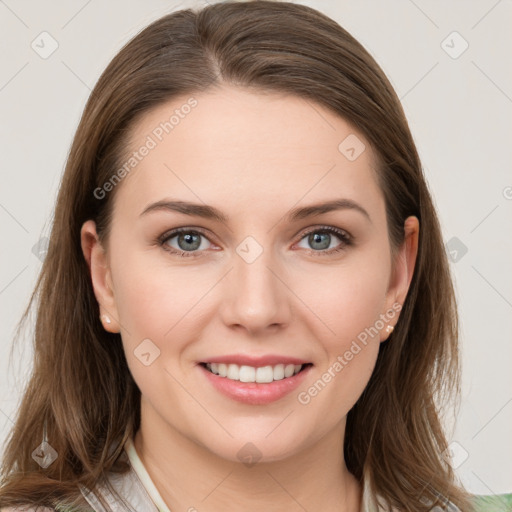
pixel 251 447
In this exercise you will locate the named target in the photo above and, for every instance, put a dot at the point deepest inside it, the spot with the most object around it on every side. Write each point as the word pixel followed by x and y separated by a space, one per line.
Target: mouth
pixel 260 375
pixel 267 382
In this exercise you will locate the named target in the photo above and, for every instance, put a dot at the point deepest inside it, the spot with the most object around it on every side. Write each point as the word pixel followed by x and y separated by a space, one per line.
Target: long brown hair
pixel 81 389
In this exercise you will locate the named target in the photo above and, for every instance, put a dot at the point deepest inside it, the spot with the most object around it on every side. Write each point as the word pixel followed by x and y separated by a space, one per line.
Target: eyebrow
pixel 210 212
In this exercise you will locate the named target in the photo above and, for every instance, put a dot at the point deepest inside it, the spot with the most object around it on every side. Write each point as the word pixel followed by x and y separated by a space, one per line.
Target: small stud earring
pixel 106 318
pixel 389 329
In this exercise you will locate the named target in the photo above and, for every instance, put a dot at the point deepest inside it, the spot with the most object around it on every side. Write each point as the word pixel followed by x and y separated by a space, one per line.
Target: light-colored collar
pixel 144 477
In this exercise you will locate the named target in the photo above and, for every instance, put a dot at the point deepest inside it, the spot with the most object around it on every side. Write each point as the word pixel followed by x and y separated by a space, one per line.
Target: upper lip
pixel 256 361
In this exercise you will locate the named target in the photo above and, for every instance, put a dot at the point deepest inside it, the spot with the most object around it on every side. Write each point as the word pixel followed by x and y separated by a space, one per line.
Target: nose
pixel 256 296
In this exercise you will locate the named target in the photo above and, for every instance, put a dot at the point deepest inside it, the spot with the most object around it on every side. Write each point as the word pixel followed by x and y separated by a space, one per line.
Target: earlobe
pixel 99 269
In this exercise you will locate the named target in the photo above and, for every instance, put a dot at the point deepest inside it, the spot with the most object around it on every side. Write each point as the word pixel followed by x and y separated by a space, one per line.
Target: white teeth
pixel 247 374
pixel 288 371
pixel 233 372
pixel 263 374
pixel 279 372
pixel 223 369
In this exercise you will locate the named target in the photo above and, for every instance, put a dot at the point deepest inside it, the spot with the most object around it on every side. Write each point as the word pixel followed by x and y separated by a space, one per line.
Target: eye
pixel 321 238
pixel 188 242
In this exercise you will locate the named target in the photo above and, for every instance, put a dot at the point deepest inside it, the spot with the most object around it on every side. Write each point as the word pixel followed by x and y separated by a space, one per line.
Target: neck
pixel 190 477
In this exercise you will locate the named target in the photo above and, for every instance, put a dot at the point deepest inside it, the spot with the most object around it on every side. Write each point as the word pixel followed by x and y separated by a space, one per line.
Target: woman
pixel 246 303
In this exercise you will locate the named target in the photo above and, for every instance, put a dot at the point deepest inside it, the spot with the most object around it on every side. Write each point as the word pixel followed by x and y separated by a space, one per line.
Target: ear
pixel 403 270
pixel 97 261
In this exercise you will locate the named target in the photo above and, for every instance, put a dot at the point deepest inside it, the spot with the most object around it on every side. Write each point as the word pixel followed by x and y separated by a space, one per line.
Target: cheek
pixel 350 300
pixel 347 298
pixel 152 299
pixel 154 305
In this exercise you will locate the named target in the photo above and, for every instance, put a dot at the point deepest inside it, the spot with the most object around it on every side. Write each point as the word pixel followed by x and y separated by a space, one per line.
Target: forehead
pixel 232 146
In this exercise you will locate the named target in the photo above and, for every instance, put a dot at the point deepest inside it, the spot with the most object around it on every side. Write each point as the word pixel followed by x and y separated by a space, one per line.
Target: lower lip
pixel 255 393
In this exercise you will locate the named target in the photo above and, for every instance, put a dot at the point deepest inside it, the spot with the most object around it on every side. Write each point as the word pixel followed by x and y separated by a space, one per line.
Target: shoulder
pixel 489 503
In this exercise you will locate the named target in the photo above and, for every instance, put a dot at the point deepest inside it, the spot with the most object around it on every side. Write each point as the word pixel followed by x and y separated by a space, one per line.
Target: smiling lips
pixel 255 380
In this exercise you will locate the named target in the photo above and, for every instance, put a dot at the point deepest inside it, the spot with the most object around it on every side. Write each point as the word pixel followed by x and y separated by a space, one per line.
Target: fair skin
pixel 255 157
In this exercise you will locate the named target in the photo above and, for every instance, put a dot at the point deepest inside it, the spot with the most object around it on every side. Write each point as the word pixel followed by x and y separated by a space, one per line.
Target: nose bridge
pixel 258 298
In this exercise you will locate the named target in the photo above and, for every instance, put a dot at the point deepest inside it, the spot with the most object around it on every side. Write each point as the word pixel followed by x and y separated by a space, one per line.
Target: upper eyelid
pixel 171 233
pixel 331 229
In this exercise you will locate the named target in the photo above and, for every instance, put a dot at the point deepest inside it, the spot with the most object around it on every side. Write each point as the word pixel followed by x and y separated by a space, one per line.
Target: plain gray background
pixel 458 103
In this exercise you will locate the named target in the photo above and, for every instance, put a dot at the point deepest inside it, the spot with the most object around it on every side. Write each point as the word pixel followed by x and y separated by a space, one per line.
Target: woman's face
pixel 272 284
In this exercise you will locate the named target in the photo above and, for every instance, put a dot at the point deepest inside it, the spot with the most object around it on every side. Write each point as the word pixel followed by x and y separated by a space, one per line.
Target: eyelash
pixel 346 241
